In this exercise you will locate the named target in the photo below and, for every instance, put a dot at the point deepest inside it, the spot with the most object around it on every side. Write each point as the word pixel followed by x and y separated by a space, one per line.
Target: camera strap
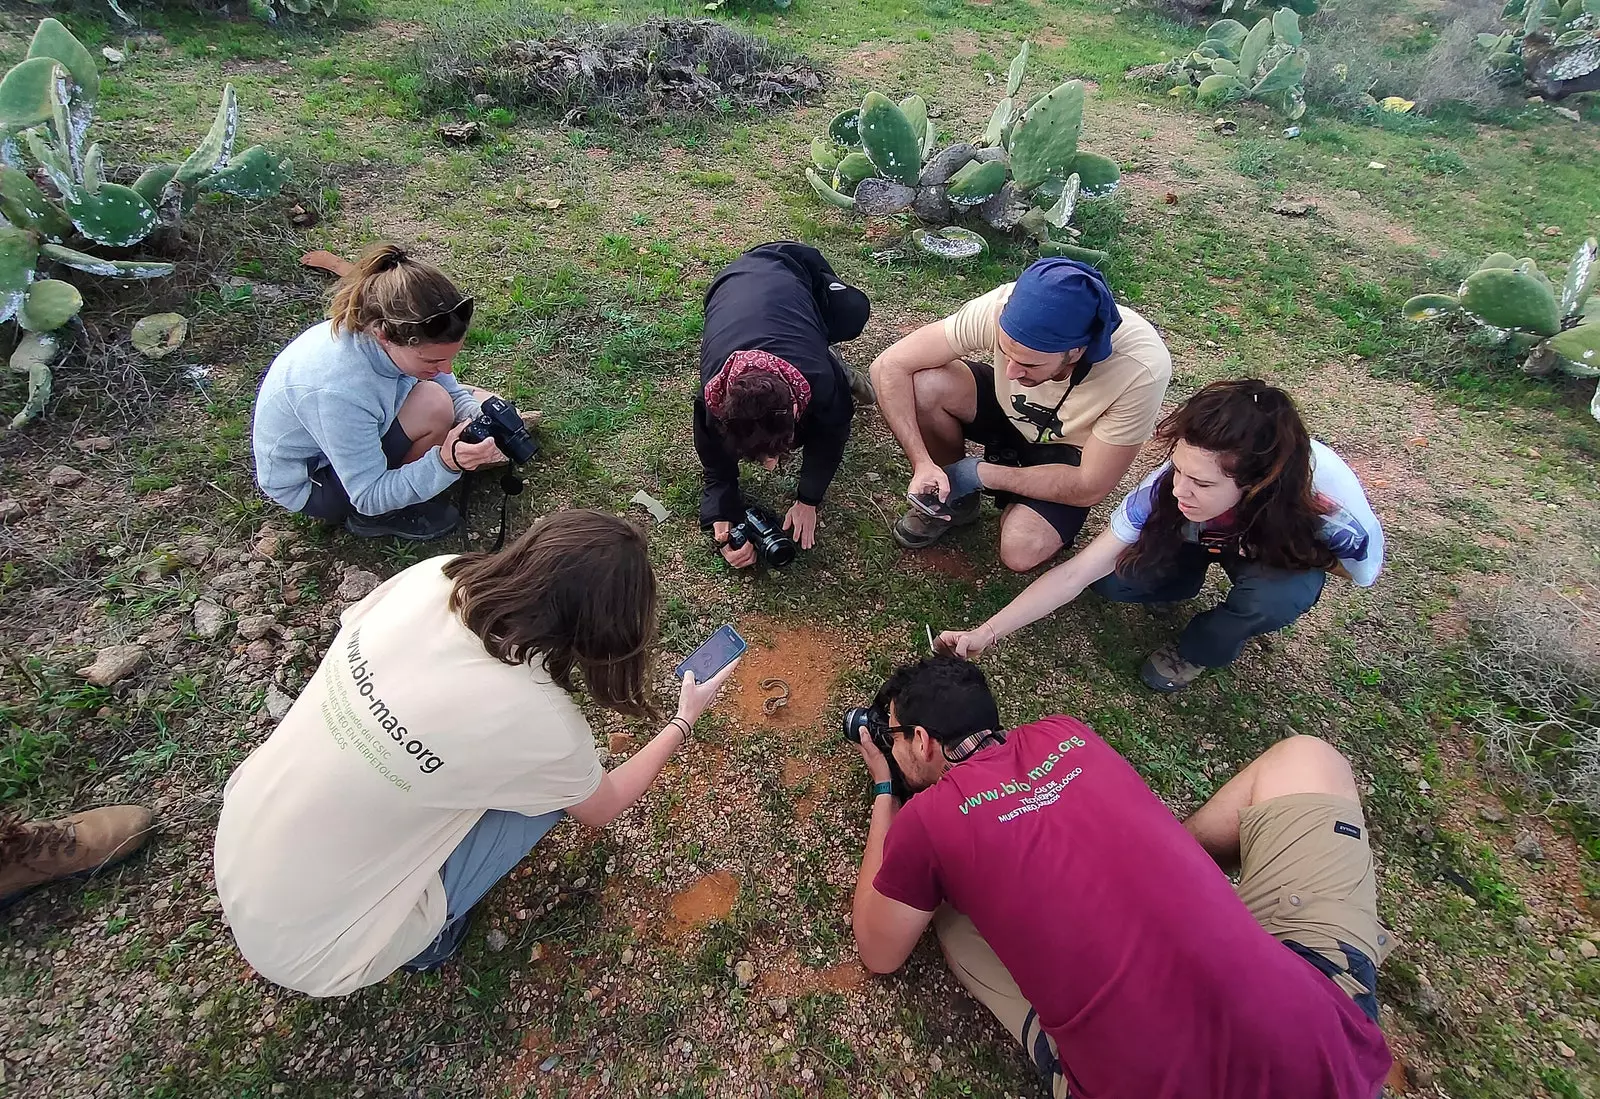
pixel 510 485
pixel 972 745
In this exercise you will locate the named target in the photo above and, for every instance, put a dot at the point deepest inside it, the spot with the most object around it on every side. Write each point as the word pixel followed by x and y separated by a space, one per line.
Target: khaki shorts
pixel 1306 875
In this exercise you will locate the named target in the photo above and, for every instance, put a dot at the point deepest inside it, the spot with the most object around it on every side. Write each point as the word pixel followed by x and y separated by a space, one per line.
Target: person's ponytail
pixel 391 293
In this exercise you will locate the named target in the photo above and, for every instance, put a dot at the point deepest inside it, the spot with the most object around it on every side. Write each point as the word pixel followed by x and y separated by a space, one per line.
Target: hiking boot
pixel 861 386
pixel 916 529
pixel 1166 671
pixel 425 522
pixel 69 847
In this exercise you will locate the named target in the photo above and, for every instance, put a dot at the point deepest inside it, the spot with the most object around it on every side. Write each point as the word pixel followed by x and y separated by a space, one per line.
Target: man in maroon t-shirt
pixel 1100 930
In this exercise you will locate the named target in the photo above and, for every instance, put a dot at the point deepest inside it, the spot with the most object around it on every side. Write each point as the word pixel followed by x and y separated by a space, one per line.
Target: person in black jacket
pixel 770 382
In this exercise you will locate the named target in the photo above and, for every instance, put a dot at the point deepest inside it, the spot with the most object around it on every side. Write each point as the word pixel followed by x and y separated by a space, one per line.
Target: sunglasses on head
pixel 446 320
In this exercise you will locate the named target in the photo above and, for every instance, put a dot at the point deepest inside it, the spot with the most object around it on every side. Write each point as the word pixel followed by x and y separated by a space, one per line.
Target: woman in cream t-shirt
pixel 434 746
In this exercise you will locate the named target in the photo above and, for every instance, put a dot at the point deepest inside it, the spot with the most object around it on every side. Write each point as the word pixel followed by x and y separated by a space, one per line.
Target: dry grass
pixel 1537 655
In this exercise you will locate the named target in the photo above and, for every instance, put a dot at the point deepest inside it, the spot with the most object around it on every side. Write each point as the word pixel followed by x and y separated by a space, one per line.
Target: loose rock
pixel 1587 949
pixel 277 703
pixel 357 584
pixel 63 477
pixel 113 664
pixel 496 940
pixel 745 973
pixel 10 511
pixel 209 620
pixel 94 444
pixel 259 651
pixel 1491 813
pixel 1429 1001
pixel 1529 847
pixel 256 626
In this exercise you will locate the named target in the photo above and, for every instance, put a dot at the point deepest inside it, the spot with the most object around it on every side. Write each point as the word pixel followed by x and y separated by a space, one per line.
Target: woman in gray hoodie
pixel 358 421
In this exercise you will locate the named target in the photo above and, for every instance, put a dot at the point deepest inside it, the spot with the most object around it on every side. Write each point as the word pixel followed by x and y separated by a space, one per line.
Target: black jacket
pixel 779 298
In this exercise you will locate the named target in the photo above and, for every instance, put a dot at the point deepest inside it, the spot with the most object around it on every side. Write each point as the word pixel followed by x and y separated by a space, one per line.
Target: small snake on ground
pixel 772 705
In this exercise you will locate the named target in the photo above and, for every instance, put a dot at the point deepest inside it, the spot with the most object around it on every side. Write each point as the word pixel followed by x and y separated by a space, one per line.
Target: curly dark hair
pixel 946 695
pixel 757 417
pixel 575 592
pixel 1261 442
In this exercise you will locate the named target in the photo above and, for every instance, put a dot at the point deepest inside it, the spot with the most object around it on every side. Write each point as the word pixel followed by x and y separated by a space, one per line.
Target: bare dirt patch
pixel 711 898
pixel 868 59
pixel 805 658
pixel 791 978
pixel 946 561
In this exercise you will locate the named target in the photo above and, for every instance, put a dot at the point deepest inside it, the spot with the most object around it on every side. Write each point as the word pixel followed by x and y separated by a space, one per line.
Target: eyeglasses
pixel 446 320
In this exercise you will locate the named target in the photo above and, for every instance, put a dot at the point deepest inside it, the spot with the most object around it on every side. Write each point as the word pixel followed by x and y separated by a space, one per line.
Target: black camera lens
pixel 761 527
pixel 856 719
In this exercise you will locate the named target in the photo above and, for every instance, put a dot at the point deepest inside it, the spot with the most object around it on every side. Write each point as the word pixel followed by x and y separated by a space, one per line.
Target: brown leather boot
pixel 72 846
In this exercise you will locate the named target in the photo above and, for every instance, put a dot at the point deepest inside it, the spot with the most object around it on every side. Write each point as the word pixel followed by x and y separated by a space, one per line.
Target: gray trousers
pixel 1261 600
pixel 489 852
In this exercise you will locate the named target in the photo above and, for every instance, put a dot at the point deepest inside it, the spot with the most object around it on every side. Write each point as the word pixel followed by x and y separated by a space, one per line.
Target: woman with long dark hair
pixel 1243 486
pixel 435 745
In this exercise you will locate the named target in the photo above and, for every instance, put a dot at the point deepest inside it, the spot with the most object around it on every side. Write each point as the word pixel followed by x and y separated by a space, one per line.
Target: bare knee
pixel 1023 552
pixel 427 413
pixel 1302 765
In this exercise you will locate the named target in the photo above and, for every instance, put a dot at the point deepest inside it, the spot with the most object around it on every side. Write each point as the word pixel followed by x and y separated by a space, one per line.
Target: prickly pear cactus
pixel 1512 297
pixel 1266 62
pixel 1025 174
pixel 47 106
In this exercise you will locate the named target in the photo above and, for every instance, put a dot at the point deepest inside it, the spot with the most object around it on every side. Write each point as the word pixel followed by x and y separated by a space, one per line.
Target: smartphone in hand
pixel 716 653
pixel 929 504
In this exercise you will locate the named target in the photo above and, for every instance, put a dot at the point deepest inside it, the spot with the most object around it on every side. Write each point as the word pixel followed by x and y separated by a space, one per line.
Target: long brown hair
pixel 1261 442
pixel 406 300
pixel 577 592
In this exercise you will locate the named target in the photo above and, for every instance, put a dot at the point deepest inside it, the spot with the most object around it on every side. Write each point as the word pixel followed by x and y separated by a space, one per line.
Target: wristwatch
pixel 882 788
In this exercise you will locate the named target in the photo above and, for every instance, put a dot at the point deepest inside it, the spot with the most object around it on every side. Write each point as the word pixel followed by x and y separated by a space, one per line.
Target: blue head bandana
pixel 1059 304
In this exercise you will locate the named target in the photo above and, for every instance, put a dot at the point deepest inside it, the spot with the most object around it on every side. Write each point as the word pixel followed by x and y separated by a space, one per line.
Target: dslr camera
pixel 874 719
pixel 762 529
pixel 501 422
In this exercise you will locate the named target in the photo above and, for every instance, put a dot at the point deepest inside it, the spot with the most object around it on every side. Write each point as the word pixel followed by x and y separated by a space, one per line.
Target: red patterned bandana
pixel 743 362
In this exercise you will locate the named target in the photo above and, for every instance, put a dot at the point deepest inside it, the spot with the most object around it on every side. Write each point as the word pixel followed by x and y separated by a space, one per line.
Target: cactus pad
pixel 1092 256
pixel 1286 26
pixel 883 196
pixel 852 170
pixel 54 41
pixel 944 164
pixel 1287 74
pixel 845 129
pixel 26 207
pixel 976 182
pixel 27 94
pixel 1218 88
pixel 255 173
pixel 33 356
pixel 153 181
pixel 109 268
pixel 1254 49
pixel 1019 65
pixel 1498 259
pixel 828 194
pixel 889 140
pixel 1098 175
pixel 1061 212
pixel 1580 345
pixel 824 155
pixel 999 127
pixel 212 154
pixel 950 243
pixel 915 108
pixel 115 216
pixel 1511 299
pixel 1580 280
pixel 50 304
pixel 18 254
pixel 1427 306
pixel 1045 140
pixel 1226 36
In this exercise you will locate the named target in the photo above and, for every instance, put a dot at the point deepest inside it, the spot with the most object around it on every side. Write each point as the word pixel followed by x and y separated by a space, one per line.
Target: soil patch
pixel 710 898
pixel 807 660
pixel 944 561
pixel 791 979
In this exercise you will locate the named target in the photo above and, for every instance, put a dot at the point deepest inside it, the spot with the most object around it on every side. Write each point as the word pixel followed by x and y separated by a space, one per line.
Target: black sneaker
pixel 425 522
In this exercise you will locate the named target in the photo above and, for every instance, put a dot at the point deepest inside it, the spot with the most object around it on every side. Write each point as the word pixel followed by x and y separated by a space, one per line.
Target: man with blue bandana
pixel 1074 391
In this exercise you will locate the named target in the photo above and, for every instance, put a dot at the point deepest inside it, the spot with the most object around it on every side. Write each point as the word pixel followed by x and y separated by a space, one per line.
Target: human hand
pixel 963 478
pixel 741 558
pixel 877 764
pixel 460 456
pixel 695 699
pixel 927 477
pixel 966 644
pixel 802 523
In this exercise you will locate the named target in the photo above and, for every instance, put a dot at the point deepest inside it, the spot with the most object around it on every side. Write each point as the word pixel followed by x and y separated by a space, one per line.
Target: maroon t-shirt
pixel 1130 943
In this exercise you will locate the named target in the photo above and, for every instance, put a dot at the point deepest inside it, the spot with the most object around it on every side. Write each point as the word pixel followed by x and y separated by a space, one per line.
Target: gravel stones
pixel 113 664
pixel 254 627
pixel 1529 847
pixel 277 703
pixel 63 477
pixel 210 620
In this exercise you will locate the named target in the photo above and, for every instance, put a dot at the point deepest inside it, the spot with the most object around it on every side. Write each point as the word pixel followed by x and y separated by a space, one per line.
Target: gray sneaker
pixel 1166 671
pixel 917 530
pixel 425 522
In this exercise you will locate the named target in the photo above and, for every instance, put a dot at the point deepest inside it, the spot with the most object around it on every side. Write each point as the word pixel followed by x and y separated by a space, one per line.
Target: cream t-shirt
pixel 333 832
pixel 1118 402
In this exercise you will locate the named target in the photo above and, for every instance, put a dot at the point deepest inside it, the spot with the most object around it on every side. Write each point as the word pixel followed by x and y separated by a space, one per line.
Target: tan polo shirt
pixel 1118 402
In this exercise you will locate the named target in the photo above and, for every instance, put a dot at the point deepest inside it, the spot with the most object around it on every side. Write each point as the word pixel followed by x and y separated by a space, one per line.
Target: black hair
pixel 945 695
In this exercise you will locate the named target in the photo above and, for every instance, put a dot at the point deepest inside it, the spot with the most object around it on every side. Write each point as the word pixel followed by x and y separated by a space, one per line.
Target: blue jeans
pixel 489 852
pixel 1262 600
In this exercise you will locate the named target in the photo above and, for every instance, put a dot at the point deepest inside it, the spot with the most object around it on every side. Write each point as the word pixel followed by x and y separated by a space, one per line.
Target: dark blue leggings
pixel 1262 600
